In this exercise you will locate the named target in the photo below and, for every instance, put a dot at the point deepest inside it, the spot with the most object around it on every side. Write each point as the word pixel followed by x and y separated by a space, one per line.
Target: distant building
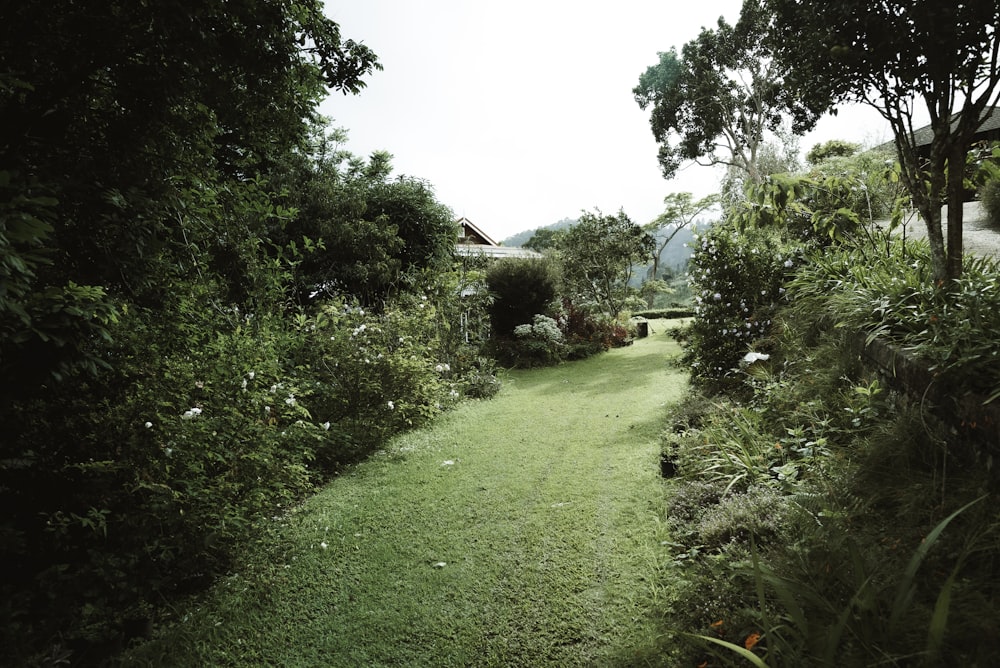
pixel 989 131
pixel 473 241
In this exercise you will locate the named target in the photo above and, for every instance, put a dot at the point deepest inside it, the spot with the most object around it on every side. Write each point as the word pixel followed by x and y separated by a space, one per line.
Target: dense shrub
pixel 989 196
pixel 520 289
pixel 987 175
pixel 589 332
pixel 892 296
pixel 540 343
pixel 669 313
pixel 738 280
pixel 481 382
pixel 141 484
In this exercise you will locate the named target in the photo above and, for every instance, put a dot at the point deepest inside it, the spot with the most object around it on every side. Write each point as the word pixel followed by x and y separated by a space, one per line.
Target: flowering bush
pixel 738 279
pixel 375 374
pixel 540 343
pixel 589 332
pixel 143 483
pixel 481 382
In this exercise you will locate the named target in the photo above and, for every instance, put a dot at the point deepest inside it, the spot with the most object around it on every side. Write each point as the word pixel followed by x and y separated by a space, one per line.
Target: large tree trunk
pixel 926 187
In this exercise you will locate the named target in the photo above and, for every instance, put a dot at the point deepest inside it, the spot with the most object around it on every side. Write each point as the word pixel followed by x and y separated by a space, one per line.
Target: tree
pixel 835 148
pixel 679 212
pixel 544 239
pixel 368 233
pixel 136 232
pixel 132 117
pixel 597 258
pixel 718 99
pixel 895 57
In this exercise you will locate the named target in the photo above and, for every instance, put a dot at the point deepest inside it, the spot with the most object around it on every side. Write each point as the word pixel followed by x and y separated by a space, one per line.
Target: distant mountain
pixel 521 238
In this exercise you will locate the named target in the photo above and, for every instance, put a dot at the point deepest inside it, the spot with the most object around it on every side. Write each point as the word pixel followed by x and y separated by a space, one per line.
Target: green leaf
pixel 906 589
pixel 742 651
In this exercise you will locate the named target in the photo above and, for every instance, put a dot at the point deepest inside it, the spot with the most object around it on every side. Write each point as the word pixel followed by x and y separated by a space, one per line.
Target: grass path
pixel 521 531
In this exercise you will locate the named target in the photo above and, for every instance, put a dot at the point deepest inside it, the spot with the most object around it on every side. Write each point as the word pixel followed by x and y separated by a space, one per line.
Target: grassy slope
pixel 547 521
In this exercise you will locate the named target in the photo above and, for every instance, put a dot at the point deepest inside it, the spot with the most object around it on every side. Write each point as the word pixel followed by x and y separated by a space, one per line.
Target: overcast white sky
pixel 520 113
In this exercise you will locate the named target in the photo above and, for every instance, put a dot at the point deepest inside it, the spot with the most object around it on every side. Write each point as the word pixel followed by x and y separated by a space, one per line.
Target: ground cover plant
pixel 526 530
pixel 820 516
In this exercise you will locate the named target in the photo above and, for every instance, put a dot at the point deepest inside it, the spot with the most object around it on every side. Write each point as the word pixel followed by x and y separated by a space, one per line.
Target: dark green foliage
pixel 125 113
pixel 166 389
pixel 988 177
pixel 665 313
pixel 835 148
pixel 370 233
pixel 538 343
pixel 837 518
pixel 893 297
pixel 989 195
pixel 521 288
pixel 481 382
pixel 588 333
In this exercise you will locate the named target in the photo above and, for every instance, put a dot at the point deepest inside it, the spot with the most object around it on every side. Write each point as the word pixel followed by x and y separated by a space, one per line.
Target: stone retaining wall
pixel 965 413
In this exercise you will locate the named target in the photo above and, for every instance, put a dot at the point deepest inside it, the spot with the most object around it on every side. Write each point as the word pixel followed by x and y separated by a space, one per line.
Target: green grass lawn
pixel 521 531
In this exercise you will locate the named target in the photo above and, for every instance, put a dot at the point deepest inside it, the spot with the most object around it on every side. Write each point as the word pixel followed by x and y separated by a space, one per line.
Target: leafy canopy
pixel 898 56
pixel 597 257
pixel 719 98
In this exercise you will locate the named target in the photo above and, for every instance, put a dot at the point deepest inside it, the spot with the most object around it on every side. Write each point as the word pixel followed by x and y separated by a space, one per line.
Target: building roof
pixel 473 241
pixel 469 233
pixel 991 123
pixel 470 250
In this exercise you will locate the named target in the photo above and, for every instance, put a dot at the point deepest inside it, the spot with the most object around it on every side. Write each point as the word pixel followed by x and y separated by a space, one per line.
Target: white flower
pixel 788 263
pixel 448 462
pixel 191 413
pixel 149 425
pixel 326 426
pixel 251 375
pixel 267 409
pixel 323 545
pixel 290 400
pixel 391 405
pixel 752 357
pixel 717 297
pixel 168 451
pixel 439 564
pixel 244 384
